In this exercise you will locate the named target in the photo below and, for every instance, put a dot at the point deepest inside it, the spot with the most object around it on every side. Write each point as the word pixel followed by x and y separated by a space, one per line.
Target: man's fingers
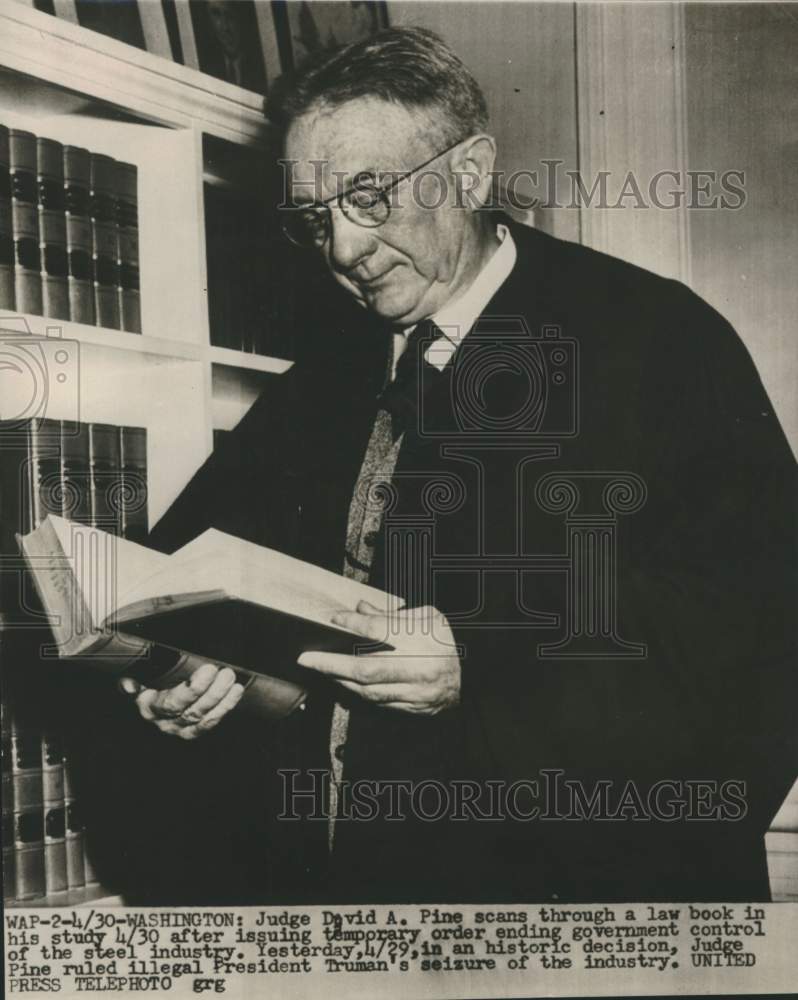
pixel 408 627
pixel 173 702
pixel 383 694
pixel 361 669
pixel 372 626
pixel 176 700
pixel 421 613
pixel 144 703
pixel 365 608
pixel 227 704
pixel 215 694
pixel 127 685
pixel 192 708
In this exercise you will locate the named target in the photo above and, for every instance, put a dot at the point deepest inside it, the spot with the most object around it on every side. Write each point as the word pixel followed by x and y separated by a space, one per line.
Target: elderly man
pixel 568 469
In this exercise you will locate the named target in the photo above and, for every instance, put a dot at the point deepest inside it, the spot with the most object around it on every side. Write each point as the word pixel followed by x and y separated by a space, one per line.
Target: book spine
pixel 104 241
pixel 42 486
pixel 12 463
pixel 26 766
pixel 55 850
pixel 25 222
pixel 75 861
pixel 133 464
pixel 52 767
pixel 75 472
pixel 267 697
pixel 128 252
pixel 9 855
pixel 55 861
pixel 69 780
pixel 90 873
pixel 105 478
pixel 226 296
pixel 75 865
pixel 7 297
pixel 29 852
pixel 52 228
pixel 77 187
pixel 26 772
pixel 9 858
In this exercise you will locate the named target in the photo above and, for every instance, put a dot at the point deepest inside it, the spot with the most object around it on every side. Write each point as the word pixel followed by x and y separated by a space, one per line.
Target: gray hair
pixel 412 67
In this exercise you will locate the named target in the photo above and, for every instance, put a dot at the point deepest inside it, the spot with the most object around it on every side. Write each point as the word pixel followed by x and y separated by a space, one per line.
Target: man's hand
pixel 421 675
pixel 192 708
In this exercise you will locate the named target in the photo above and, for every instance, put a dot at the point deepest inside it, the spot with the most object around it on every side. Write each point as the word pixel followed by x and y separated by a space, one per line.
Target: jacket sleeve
pixel 243 487
pixel 706 580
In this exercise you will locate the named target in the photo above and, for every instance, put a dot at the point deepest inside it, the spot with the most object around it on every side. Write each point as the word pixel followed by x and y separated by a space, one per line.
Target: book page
pixel 104 565
pixel 216 563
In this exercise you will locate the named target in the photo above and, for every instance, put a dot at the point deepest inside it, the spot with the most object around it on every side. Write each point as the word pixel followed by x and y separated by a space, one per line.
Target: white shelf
pixel 39 329
pixel 250 362
pixel 86 62
pixel 91 895
pixel 44 328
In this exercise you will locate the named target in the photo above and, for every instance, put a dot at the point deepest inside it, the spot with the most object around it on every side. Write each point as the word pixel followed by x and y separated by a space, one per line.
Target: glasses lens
pixel 307 227
pixel 365 206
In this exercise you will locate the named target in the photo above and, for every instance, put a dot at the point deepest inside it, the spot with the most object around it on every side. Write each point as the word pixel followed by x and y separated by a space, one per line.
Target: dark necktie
pixel 401 396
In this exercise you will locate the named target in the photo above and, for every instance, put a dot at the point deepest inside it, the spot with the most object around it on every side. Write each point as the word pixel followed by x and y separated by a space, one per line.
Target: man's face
pixel 407 268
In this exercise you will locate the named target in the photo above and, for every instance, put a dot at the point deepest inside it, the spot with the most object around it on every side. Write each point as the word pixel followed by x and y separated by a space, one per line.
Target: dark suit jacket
pixel 664 390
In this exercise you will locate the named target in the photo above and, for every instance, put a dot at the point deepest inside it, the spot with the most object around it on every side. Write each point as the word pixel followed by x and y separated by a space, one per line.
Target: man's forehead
pixel 327 145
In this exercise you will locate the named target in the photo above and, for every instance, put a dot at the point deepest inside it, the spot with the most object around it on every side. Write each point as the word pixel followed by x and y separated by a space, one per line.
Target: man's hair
pixel 412 67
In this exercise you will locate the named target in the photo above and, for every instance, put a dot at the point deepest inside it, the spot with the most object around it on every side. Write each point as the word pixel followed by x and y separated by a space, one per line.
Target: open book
pixel 218 597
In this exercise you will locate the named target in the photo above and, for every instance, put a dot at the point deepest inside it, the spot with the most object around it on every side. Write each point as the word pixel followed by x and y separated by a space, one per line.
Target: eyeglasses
pixel 364 203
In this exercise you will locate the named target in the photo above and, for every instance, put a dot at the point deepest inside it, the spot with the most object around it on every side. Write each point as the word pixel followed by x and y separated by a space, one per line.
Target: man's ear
pixel 472 166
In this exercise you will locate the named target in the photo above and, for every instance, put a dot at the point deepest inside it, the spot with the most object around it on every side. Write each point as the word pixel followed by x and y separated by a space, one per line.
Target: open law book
pixel 219 597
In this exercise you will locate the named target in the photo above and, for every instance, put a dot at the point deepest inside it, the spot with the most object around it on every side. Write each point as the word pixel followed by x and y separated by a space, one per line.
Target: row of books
pixel 95 474
pixel 68 233
pixel 242 271
pixel 44 848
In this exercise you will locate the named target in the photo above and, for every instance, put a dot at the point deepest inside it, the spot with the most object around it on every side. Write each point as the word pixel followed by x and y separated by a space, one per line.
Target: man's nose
pixel 349 242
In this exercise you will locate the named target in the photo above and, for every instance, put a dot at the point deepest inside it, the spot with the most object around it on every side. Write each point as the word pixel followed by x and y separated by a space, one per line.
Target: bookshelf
pixel 186 133
pixel 80 87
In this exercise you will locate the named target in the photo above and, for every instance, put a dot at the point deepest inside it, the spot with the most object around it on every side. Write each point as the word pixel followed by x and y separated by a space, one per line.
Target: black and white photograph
pixel 120 20
pixel 315 27
pixel 228 44
pixel 398 499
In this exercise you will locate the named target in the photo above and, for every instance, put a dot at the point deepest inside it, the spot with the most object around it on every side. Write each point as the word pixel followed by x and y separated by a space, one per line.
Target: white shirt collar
pixel 459 315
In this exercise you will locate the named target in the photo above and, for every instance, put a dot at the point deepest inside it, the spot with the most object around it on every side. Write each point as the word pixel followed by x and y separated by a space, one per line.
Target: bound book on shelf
pixel 52 228
pixel 133 482
pixel 219 598
pixel 77 192
pixel 25 222
pixel 75 846
pixel 28 809
pixel 128 247
pixel 105 237
pixel 7 297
